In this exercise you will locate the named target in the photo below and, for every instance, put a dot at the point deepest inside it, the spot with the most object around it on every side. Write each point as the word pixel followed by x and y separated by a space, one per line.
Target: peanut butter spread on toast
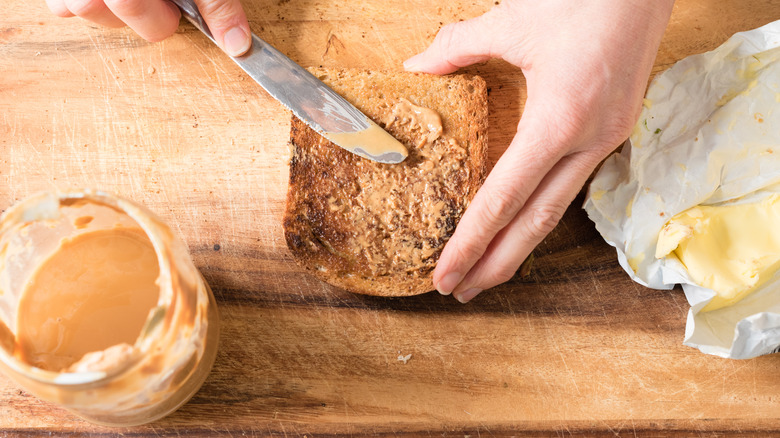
pixel 353 221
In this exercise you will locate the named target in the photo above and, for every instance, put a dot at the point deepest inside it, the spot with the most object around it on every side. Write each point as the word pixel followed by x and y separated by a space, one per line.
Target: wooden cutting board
pixel 574 347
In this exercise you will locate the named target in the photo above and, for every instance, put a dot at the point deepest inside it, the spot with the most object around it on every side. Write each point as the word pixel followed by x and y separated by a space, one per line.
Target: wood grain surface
pixel 575 347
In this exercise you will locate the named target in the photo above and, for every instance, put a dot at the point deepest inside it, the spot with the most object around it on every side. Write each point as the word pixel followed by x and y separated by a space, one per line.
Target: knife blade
pixel 308 98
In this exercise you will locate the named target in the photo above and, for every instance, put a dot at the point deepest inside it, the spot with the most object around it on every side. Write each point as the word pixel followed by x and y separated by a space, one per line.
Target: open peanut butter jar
pixel 101 308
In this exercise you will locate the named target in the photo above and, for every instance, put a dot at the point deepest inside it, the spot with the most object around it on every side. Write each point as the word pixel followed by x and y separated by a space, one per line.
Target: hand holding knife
pixel 309 99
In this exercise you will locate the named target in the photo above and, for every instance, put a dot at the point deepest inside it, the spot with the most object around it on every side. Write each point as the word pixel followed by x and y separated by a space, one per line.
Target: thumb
pixel 228 24
pixel 459 44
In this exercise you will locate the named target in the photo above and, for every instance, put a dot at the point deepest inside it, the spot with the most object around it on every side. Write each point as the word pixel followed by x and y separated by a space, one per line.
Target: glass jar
pixel 101 308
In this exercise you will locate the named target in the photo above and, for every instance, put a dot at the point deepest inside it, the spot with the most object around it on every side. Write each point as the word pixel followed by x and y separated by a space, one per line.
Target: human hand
pixel 586 66
pixel 155 20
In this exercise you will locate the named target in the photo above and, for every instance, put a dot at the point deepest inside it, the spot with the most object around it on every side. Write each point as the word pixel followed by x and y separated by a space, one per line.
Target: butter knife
pixel 308 98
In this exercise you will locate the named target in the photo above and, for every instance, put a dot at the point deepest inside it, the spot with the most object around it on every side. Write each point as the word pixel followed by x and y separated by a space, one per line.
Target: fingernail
pixel 412 64
pixel 236 42
pixel 448 283
pixel 466 296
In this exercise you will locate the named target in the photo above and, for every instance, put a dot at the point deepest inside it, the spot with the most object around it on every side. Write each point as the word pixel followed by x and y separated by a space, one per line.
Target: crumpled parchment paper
pixel 709 132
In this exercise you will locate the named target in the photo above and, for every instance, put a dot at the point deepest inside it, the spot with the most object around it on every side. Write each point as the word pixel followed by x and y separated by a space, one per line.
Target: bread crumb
pixel 151 70
pixel 404 359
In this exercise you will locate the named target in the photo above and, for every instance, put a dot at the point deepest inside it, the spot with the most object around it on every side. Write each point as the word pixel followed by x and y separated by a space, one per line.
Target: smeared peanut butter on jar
pixel 94 292
pixel 101 308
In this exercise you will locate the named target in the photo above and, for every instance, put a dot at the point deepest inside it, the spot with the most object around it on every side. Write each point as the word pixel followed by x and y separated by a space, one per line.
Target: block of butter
pixel 693 198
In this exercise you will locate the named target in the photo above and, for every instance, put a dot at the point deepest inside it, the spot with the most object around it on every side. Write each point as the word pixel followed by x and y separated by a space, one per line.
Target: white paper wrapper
pixel 709 132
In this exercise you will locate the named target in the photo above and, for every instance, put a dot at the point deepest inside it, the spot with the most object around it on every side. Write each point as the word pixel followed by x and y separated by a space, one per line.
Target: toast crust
pixel 378 229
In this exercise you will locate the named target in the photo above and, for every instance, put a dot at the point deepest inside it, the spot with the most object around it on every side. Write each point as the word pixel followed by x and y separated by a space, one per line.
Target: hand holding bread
pixel 586 66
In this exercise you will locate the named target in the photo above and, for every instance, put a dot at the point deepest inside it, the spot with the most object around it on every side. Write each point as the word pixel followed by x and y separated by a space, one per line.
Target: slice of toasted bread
pixel 378 229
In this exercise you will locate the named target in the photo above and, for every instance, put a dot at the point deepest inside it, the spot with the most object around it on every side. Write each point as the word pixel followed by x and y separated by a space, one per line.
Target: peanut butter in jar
pixel 101 308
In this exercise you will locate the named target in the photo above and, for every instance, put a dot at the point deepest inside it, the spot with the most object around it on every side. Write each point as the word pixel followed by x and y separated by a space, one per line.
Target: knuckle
pixel 456 45
pixel 445 40
pixel 58 8
pixel 549 134
pixel 83 8
pixel 571 127
pixel 491 271
pixel 502 272
pixel 446 32
pixel 544 219
pixel 501 204
pixel 616 131
pixel 600 116
pixel 127 8
pixel 466 250
pixel 158 36
pixel 218 13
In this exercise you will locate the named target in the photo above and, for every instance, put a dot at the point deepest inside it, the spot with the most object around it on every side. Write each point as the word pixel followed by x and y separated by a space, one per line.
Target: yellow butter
pixel 731 249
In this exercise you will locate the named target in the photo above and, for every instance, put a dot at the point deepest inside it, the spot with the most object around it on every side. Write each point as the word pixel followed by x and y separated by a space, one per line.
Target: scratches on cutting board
pixel 110 68
pixel 77 61
pixel 384 44
pixel 218 72
pixel 333 42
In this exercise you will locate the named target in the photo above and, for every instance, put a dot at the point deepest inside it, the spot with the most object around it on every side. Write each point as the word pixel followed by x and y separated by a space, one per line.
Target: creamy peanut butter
pixel 416 196
pixel 420 118
pixel 372 142
pixel 94 292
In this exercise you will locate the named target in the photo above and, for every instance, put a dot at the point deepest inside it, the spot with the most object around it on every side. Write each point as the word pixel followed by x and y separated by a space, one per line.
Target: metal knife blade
pixel 308 98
